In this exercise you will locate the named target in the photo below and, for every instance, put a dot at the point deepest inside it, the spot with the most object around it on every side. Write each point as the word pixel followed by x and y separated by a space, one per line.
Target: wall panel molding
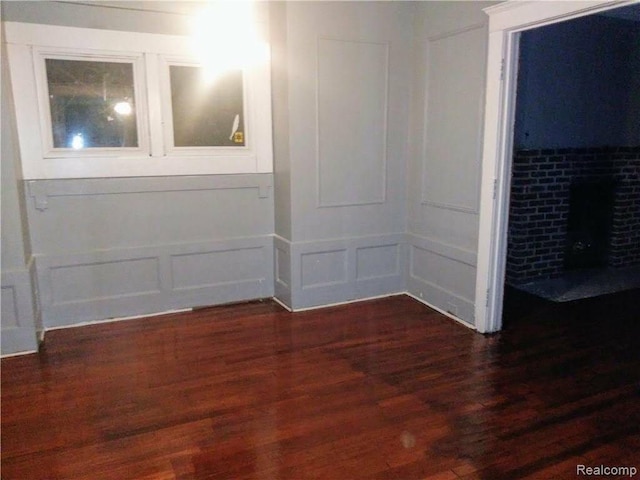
pixel 18 313
pixel 283 283
pixel 453 110
pixel 98 285
pixel 351 122
pixel 42 190
pixel 325 272
pixel 451 252
pixel 434 273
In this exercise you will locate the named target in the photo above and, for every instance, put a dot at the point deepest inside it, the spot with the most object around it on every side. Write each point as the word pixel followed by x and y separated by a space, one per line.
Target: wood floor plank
pixel 384 389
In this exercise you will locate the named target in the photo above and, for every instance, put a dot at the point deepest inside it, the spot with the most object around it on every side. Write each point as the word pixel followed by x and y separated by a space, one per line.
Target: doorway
pixel 507 22
pixel 574 219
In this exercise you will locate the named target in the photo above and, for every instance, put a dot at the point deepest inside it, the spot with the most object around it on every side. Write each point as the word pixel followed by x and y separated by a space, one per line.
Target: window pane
pixel 92 104
pixel 206 113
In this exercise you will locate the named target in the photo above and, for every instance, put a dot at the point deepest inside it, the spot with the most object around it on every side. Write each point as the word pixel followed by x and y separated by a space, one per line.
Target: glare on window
pixel 207 114
pixel 92 97
pixel 77 141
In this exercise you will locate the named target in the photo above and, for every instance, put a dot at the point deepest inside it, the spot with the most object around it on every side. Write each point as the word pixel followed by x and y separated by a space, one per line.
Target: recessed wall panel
pixel 453 120
pixel 283 267
pixel 195 270
pixel 352 122
pixel 372 262
pixel 102 280
pixel 446 273
pixel 9 308
pixel 324 268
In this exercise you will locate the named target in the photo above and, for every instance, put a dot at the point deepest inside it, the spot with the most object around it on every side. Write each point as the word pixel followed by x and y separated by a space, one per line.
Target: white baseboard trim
pixel 443 312
pixel 279 302
pixel 337 304
pixel 17 354
pixel 282 304
pixel 433 307
pixel 116 319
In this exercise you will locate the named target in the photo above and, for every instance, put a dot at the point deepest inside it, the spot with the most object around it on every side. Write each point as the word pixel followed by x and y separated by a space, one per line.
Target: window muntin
pixel 92 104
pixel 206 112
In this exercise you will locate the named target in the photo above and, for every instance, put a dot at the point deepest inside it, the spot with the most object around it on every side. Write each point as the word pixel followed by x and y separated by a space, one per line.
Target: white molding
pixel 275 299
pixel 53 36
pixel 41 190
pixel 135 59
pixel 18 354
pixel 383 192
pixel 448 206
pixel 282 304
pixel 346 302
pixel 519 15
pixel 424 194
pixel 451 252
pixel 439 310
pixel 506 21
pixel 154 101
pixel 118 319
pixel 165 62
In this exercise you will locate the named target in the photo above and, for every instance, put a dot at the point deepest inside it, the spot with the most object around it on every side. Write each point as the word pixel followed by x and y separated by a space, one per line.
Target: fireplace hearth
pixel 573 209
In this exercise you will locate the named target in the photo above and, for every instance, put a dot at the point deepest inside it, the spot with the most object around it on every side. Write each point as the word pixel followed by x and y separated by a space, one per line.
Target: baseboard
pixel 18 354
pixel 337 304
pixel 136 281
pixel 115 319
pixel 439 310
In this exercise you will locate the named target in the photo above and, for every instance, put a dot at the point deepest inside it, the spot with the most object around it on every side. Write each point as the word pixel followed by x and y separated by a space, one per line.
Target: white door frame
pixel 506 21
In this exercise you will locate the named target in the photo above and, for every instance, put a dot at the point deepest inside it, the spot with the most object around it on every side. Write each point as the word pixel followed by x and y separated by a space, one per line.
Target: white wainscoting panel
pixel 18 313
pixel 100 279
pixel 9 307
pixel 325 272
pixel 442 275
pixel 352 104
pixel 453 120
pixel 378 261
pixel 320 269
pixel 77 288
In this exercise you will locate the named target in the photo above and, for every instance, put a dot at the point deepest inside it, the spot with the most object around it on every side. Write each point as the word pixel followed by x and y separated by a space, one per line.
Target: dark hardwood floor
pixel 377 389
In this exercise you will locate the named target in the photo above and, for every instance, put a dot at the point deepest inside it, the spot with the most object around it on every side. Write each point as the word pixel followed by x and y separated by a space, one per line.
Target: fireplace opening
pixel 589 224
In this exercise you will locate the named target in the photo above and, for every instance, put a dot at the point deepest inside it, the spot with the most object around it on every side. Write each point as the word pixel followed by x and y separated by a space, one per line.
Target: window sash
pixel 46 124
pixel 170 149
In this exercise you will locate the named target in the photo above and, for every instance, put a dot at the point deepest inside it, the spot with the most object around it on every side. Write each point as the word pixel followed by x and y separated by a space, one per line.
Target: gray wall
pixel 140 16
pixel 341 101
pixel 18 307
pixel 377 108
pixel 445 153
pixel 115 247
pixel 126 246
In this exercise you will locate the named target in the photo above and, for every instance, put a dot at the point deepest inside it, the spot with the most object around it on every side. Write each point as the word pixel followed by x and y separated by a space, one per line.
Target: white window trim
pixel 27 43
pixel 169 145
pixel 136 60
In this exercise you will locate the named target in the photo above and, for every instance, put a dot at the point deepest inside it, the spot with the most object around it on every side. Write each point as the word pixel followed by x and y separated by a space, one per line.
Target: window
pixel 133 104
pixel 91 104
pixel 88 104
pixel 206 112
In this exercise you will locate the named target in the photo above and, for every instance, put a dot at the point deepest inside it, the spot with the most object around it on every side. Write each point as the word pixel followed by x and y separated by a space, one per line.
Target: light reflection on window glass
pixel 206 112
pixel 92 104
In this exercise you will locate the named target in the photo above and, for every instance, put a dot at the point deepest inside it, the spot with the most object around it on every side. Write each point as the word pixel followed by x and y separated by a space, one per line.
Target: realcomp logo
pixel 605 470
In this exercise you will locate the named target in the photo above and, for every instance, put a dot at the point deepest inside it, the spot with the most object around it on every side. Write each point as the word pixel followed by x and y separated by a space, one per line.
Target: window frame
pixel 40 55
pixel 28 46
pixel 166 62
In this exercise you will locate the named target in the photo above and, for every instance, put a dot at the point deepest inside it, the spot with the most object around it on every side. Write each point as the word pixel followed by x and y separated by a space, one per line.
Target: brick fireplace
pixel 573 208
